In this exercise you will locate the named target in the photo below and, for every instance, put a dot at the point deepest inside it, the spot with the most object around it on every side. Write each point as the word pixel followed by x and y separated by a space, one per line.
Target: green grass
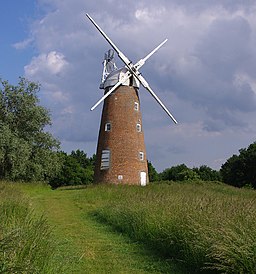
pixel 209 227
pixel 87 245
pixel 161 228
pixel 25 239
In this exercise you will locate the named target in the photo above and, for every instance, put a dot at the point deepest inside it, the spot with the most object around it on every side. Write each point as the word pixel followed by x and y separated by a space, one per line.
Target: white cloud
pixel 52 62
pixel 149 15
pixel 240 79
pixel 205 72
pixel 23 44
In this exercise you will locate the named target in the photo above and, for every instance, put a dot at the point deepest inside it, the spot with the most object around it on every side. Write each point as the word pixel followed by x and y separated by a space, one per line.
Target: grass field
pixel 25 237
pixel 209 227
pixel 161 228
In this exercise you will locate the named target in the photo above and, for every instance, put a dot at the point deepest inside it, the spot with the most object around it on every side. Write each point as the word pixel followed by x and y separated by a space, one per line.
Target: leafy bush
pixel 152 173
pixel 207 174
pixel 239 170
pixel 184 173
pixel 179 173
pixel 77 169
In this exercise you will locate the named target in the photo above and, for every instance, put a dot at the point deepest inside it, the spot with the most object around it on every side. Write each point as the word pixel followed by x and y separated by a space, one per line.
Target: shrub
pixel 77 169
pixel 239 170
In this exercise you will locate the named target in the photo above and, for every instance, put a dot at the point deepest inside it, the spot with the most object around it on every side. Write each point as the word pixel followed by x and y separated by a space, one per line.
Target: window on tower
pixel 105 159
pixel 138 127
pixel 107 127
pixel 136 106
pixel 141 155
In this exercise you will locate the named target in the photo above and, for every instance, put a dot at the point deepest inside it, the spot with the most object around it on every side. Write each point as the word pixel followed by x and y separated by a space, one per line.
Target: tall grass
pixel 26 245
pixel 209 227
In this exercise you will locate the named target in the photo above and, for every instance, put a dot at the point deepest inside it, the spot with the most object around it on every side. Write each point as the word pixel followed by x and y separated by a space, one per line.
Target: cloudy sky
pixel 205 74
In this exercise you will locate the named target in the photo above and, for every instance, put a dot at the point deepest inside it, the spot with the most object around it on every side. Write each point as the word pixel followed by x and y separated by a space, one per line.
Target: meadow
pixel 26 243
pixel 209 227
pixel 188 227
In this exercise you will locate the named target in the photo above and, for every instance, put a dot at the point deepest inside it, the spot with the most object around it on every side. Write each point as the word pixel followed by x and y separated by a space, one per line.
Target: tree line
pixel 240 170
pixel 184 173
pixel 29 153
pixel 76 169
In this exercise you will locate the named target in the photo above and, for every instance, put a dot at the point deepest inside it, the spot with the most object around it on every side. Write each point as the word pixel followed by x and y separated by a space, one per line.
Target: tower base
pixel 121 154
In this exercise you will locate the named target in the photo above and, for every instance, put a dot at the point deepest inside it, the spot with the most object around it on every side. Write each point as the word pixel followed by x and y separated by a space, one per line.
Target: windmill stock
pixel 121 154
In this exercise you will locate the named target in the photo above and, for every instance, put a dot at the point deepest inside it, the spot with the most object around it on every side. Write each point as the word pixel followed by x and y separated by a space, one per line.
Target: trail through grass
pixel 85 245
pixel 207 227
pixel 25 237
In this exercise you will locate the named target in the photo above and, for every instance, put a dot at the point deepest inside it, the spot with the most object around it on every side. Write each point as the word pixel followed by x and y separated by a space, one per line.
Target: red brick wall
pixel 123 140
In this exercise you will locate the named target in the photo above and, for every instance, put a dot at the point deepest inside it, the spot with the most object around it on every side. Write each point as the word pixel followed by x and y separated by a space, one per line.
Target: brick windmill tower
pixel 121 153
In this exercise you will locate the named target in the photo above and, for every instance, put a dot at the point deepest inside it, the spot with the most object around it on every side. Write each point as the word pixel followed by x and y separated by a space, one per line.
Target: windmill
pixel 121 154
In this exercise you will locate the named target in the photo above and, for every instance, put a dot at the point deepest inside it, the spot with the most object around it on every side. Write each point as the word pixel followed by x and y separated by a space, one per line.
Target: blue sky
pixel 15 20
pixel 205 73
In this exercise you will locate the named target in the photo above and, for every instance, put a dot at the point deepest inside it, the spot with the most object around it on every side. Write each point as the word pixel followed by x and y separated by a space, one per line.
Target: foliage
pixel 77 169
pixel 27 152
pixel 207 174
pixel 209 227
pixel 26 242
pixel 179 173
pixel 184 173
pixel 239 170
pixel 82 158
pixel 152 173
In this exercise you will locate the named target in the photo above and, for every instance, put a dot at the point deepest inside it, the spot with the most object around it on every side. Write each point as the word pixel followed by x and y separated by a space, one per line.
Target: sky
pixel 205 74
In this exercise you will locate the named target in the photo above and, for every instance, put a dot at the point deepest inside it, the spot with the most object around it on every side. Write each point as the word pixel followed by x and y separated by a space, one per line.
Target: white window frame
pixel 108 127
pixel 138 127
pixel 136 106
pixel 105 159
pixel 141 155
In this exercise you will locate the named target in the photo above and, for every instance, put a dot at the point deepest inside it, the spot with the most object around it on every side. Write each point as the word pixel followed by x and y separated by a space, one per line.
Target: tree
pixel 152 173
pixel 81 157
pixel 77 169
pixel 207 174
pixel 239 170
pixel 188 175
pixel 27 152
pixel 179 173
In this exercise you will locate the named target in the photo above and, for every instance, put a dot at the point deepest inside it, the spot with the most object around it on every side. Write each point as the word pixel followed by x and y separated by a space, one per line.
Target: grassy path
pixel 85 245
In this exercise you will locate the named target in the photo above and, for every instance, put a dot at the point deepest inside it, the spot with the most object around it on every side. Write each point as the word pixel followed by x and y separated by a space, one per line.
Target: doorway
pixel 143 178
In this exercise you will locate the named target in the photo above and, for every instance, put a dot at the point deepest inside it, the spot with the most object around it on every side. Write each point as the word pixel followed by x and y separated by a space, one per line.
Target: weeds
pixel 26 245
pixel 209 227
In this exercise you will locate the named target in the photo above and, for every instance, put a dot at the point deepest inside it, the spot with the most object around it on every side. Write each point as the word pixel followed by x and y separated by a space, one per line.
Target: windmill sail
pixel 133 70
